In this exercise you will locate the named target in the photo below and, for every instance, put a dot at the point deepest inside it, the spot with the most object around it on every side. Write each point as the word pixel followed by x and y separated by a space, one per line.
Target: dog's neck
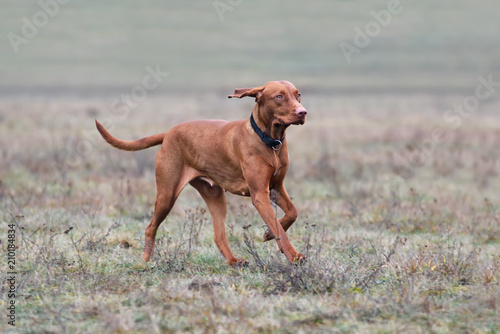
pixel 271 127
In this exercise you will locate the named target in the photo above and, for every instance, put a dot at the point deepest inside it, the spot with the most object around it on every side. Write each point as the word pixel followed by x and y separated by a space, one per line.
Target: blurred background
pixel 91 48
pixel 377 77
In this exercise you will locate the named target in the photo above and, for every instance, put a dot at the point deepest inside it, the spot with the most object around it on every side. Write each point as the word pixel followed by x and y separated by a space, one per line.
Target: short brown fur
pixel 216 156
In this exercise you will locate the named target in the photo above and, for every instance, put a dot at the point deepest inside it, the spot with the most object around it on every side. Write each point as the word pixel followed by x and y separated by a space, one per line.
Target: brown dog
pixel 247 157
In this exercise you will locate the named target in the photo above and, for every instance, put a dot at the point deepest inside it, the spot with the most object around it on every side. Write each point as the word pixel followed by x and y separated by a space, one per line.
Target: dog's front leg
pixel 260 200
pixel 259 191
pixel 285 203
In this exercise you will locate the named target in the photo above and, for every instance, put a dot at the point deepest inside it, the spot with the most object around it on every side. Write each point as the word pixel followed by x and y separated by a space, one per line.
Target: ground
pixel 386 253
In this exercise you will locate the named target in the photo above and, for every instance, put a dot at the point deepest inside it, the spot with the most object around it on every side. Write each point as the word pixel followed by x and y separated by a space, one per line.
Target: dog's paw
pixel 240 263
pixel 299 260
pixel 146 257
pixel 268 235
pixel 148 252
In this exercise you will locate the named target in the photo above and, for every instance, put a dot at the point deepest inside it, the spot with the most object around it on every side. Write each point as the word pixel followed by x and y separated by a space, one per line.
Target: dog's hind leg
pixel 215 198
pixel 171 178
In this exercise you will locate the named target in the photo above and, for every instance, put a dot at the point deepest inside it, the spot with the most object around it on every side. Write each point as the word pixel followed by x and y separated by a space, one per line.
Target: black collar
pixel 272 143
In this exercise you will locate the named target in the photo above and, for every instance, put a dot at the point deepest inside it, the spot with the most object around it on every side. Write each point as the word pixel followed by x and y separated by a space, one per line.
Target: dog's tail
pixel 130 145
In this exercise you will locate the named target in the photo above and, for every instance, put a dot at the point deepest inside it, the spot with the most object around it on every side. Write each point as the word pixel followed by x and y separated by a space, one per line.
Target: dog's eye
pixel 279 97
pixel 298 95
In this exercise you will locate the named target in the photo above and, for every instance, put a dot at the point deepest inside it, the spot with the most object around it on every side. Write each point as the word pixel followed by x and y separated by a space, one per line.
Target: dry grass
pixel 385 253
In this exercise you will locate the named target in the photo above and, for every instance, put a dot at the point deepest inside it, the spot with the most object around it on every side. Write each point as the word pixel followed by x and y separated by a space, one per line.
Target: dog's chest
pixel 280 165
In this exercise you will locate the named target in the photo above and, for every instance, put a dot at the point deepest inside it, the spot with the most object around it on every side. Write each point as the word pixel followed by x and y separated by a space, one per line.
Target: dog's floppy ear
pixel 253 92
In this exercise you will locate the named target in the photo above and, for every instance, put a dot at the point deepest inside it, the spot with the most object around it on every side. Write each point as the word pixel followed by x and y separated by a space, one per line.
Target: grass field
pixel 401 227
pixel 386 254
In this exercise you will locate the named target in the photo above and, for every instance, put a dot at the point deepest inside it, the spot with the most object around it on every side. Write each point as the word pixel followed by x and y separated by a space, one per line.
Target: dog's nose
pixel 301 112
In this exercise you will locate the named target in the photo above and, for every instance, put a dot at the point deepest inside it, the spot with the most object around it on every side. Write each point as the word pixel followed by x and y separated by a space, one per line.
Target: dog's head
pixel 278 100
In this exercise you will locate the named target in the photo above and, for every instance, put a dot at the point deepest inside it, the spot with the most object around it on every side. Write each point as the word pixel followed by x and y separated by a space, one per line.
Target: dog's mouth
pixel 299 121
